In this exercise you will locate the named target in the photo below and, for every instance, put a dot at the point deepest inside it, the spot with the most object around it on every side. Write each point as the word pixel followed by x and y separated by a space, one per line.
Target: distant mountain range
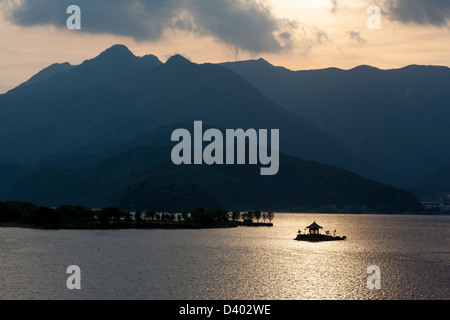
pixel 143 178
pixel 396 119
pixel 64 122
pixel 40 119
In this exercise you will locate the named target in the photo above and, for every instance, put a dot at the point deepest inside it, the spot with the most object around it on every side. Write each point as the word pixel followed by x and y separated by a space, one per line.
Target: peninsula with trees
pixel 21 214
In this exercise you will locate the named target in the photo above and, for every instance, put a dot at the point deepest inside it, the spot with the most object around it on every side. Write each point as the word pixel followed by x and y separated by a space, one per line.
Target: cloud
pixel 320 35
pixel 243 24
pixel 311 37
pixel 334 5
pixel 356 36
pixel 423 12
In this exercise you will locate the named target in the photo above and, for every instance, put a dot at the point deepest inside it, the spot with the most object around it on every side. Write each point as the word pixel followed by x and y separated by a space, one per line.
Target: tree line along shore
pixel 21 214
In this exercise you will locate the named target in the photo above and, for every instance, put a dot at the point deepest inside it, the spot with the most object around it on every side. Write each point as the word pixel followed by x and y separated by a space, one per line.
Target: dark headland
pixel 21 214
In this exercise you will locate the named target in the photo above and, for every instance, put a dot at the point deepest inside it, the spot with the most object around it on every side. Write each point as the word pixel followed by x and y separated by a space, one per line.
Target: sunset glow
pixel 323 34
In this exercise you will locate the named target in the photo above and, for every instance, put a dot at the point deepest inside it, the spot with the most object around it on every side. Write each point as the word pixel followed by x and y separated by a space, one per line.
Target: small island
pixel 314 234
pixel 26 215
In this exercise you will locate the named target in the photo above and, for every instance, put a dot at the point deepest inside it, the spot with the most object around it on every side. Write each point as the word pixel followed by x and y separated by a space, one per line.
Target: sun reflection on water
pixel 239 263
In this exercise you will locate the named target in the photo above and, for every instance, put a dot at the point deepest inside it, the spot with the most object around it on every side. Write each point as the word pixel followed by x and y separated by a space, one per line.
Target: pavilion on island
pixel 314 228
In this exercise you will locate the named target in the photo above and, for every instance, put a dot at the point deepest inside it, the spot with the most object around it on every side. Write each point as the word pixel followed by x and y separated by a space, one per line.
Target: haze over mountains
pixel 75 118
pixel 143 178
pixel 396 119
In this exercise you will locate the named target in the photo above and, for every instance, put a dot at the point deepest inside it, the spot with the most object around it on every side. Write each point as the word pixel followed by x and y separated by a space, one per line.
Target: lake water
pixel 412 252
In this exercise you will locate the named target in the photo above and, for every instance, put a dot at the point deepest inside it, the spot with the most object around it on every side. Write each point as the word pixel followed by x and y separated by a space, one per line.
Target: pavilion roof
pixel 314 225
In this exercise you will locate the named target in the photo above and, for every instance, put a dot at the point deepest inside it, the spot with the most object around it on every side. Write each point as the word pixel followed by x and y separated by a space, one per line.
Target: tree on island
pixel 113 217
pixel 270 216
pixel 235 215
pixel 264 216
pixel 257 215
pixel 223 215
pixel 105 215
pixel 116 214
pixel 138 217
pixel 150 215
pixel 127 217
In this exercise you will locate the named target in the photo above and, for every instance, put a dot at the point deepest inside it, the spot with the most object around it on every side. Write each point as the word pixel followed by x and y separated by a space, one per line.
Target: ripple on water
pixel 413 253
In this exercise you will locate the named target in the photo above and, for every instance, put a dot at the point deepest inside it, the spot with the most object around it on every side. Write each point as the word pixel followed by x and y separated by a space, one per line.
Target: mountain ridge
pixel 164 95
pixel 385 117
pixel 113 63
pixel 133 180
pixel 123 106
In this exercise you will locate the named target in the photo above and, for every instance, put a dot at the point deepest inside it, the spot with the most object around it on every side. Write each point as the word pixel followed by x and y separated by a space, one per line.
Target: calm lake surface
pixel 413 253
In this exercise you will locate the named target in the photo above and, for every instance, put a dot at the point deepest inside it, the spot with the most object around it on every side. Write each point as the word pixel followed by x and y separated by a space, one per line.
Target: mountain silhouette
pixel 177 60
pixel 175 92
pixel 143 178
pixel 396 119
pixel 48 73
pixel 99 134
pixel 114 63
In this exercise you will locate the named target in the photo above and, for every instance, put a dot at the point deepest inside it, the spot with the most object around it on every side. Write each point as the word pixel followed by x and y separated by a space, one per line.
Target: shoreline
pixel 152 226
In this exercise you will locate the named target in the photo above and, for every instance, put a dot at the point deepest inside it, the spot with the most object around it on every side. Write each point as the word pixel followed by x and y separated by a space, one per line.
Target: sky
pixel 296 34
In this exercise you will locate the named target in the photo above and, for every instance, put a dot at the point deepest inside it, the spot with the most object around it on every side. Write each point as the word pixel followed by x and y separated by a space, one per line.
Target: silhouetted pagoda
pixel 314 228
pixel 315 236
